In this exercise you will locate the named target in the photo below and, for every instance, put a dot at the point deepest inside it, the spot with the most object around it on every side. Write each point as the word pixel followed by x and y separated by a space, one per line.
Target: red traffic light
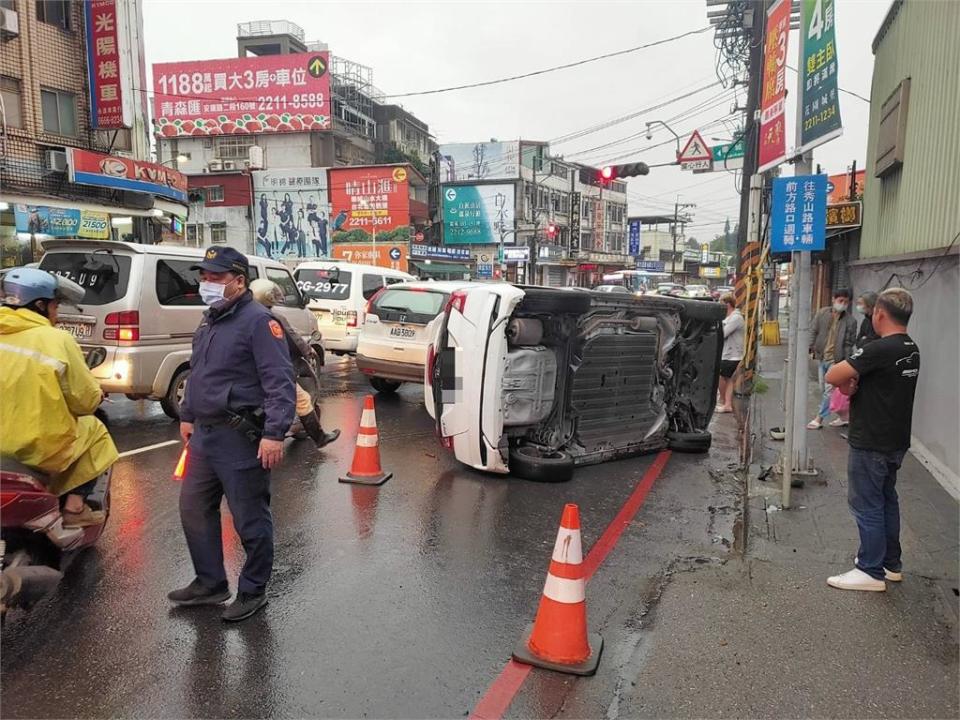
pixel 607 172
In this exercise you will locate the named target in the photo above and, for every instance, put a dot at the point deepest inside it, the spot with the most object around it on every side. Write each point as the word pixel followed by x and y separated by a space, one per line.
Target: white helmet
pixel 266 292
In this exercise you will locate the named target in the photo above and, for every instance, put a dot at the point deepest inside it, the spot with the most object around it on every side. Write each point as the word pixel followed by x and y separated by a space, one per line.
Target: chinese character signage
pixel 819 101
pixel 634 238
pixel 389 255
pixel 110 106
pixel 120 173
pixel 773 125
pixel 478 214
pixel 266 94
pixel 61 222
pixel 799 213
pixel 465 162
pixel 575 202
pixel 370 199
pixel 440 252
pixel 292 212
pixel 650 265
pixel 844 215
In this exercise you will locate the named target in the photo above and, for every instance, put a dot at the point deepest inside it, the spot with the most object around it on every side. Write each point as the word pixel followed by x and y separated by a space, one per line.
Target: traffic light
pixel 551 231
pixel 612 172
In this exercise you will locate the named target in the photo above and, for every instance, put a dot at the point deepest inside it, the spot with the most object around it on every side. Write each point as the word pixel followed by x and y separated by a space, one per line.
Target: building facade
pixel 911 226
pixel 59 116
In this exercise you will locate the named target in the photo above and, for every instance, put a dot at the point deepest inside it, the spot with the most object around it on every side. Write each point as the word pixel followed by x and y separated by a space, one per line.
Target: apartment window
pixel 59 112
pixel 10 92
pixel 218 232
pixel 54 12
pixel 214 193
pixel 234 148
pixel 195 235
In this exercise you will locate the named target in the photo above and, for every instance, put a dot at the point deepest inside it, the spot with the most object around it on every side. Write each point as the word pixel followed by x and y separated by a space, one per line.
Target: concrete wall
pixel 934 326
pixel 238 225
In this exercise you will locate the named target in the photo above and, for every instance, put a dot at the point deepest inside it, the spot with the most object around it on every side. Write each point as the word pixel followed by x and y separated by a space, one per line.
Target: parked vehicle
pixel 613 289
pixel 701 292
pixel 393 344
pixel 721 290
pixel 337 295
pixel 141 308
pixel 671 290
pixel 534 381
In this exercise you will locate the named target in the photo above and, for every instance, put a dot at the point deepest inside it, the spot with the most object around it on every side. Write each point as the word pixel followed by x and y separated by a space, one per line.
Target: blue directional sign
pixel 798 216
pixel 395 253
pixel 634 238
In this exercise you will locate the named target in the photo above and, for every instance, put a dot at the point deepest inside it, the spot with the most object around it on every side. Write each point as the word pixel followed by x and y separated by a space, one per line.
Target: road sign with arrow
pixel 696 154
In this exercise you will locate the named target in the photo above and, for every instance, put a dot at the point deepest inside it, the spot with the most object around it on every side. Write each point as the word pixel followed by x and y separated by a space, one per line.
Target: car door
pixel 292 309
pixel 397 327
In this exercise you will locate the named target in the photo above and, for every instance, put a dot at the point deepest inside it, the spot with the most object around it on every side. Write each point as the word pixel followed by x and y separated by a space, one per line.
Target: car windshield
pixel 104 276
pixel 324 283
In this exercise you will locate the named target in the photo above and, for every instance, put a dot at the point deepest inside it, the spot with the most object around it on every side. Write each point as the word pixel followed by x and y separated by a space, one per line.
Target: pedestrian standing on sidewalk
pixel 834 333
pixel 733 333
pixel 881 379
pixel 865 304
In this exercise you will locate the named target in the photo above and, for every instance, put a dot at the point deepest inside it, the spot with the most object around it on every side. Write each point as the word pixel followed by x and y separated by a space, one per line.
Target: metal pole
pixel 789 377
pixel 673 232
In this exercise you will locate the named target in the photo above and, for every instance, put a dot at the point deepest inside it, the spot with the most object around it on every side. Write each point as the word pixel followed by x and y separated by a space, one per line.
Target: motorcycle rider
pixel 268 293
pixel 48 394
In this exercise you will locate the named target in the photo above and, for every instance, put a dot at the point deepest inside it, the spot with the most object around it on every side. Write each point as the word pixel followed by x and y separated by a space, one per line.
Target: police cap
pixel 222 258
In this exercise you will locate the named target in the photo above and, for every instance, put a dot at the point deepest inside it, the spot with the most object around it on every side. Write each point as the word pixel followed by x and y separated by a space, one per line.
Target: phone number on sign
pixel 820 117
pixel 367 222
pixel 293 102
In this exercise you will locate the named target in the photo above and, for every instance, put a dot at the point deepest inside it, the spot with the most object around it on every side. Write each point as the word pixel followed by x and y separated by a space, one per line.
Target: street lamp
pixel 661 122
pixel 181 158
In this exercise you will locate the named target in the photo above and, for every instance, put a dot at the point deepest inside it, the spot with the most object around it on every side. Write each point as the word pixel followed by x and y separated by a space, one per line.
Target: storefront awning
pixel 439 269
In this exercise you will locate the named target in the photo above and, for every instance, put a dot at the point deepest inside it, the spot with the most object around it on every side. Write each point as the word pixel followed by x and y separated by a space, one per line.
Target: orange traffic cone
pixel 558 639
pixel 365 469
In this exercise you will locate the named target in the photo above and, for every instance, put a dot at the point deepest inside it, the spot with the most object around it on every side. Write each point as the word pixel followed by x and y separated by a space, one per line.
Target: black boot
pixel 312 426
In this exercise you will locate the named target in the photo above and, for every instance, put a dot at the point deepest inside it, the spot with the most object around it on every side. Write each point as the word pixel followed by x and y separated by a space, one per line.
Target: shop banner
pixel 844 215
pixel 388 255
pixel 838 187
pixel 112 171
pixel 575 202
pixel 773 127
pixel 61 222
pixel 634 238
pixel 266 94
pixel 292 211
pixel 651 265
pixel 370 200
pixel 478 214
pixel 465 162
pixel 439 252
pixel 110 106
pixel 819 94
pixel 798 215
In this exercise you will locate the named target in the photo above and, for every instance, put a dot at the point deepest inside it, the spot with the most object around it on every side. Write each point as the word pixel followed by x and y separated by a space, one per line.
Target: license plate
pixel 403 332
pixel 80 331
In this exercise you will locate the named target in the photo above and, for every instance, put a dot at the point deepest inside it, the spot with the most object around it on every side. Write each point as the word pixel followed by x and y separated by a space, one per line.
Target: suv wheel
pixel 171 401
pixel 689 442
pixel 384 386
pixel 540 464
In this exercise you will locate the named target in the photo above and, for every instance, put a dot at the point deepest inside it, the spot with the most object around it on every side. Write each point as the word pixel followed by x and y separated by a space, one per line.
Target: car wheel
pixel 170 403
pixel 689 442
pixel 384 386
pixel 704 309
pixel 533 463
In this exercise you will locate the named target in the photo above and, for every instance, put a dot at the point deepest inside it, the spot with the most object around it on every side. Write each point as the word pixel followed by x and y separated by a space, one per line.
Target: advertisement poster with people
pixel 370 200
pixel 292 213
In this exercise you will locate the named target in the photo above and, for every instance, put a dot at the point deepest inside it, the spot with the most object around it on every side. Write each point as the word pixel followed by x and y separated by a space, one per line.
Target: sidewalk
pixel 762 635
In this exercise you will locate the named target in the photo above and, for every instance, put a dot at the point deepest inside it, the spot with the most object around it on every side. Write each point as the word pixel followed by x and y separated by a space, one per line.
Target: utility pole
pixel 751 124
pixel 677 206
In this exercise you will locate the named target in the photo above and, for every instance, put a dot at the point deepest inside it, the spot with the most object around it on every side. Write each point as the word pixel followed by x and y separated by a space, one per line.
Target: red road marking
pixel 496 701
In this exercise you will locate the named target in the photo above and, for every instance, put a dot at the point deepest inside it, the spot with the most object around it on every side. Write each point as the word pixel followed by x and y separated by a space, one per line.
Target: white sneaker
pixel 888 574
pixel 839 422
pixel 856 579
pixel 815 424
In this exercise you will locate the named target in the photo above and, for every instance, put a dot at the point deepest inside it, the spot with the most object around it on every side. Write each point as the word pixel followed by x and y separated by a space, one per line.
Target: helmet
pixel 266 292
pixel 21 286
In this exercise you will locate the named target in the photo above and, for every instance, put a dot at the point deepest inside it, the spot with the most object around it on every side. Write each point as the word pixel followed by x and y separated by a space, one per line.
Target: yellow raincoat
pixel 47 400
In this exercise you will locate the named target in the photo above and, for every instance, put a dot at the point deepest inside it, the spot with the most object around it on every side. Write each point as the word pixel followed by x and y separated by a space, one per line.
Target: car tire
pixel 539 301
pixel 532 463
pixel 694 309
pixel 689 442
pixel 382 385
pixel 170 403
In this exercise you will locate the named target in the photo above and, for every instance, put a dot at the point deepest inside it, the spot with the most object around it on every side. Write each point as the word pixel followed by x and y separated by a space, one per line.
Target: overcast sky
pixel 415 46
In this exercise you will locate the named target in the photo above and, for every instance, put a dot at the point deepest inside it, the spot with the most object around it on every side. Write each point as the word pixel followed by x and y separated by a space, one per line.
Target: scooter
pixel 34 541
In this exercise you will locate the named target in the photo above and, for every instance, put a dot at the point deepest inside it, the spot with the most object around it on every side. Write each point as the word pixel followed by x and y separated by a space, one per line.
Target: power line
pixel 555 68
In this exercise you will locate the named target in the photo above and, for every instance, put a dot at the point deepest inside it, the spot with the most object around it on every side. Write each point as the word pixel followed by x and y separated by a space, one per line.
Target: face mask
pixel 861 309
pixel 839 307
pixel 211 292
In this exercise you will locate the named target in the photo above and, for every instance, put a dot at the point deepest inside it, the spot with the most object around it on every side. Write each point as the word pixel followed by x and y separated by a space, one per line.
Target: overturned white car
pixel 534 381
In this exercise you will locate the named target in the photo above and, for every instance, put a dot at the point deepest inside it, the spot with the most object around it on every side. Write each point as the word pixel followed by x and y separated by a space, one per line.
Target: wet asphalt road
pixel 402 601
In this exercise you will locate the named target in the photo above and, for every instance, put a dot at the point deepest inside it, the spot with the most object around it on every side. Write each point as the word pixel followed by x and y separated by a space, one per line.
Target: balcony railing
pixel 270 27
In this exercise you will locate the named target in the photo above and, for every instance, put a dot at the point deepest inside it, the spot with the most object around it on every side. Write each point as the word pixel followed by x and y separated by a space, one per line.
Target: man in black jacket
pixel 834 334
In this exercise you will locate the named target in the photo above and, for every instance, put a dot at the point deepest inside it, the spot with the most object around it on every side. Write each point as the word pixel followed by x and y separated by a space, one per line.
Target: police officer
pixel 238 405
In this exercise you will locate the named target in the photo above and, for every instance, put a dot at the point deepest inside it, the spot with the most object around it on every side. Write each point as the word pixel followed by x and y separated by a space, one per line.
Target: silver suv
pixel 141 307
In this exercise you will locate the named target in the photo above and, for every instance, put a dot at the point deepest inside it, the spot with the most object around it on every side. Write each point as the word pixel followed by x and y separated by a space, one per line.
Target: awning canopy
pixel 440 269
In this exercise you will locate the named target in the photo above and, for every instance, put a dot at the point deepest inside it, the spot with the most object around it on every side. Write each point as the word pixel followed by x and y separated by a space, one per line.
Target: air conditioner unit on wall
pixel 229 165
pixel 57 160
pixel 215 165
pixel 9 23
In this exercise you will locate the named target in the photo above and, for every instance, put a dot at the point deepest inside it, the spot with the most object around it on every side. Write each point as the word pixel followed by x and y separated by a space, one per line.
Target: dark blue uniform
pixel 240 362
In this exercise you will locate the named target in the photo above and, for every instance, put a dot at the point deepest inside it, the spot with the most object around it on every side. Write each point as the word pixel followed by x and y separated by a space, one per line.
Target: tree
pixel 693 243
pixel 394 155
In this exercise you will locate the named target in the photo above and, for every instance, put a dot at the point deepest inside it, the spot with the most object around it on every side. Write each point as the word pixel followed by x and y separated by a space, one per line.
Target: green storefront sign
pixel 819 96
pixel 728 156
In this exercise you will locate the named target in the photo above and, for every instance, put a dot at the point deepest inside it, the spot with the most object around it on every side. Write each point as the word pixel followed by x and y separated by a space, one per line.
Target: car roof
pixel 446 286
pixel 165 250
pixel 327 264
